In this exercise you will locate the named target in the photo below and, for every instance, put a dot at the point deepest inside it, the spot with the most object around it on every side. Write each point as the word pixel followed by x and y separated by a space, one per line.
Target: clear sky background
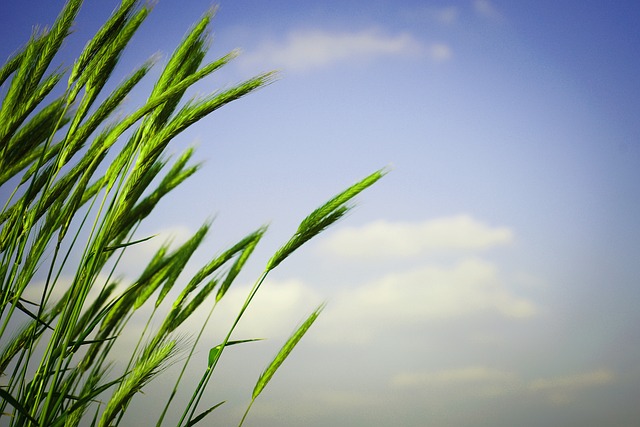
pixel 491 278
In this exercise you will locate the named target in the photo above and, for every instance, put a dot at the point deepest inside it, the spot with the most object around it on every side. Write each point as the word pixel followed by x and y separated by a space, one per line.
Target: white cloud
pixel 472 287
pixel 434 292
pixel 304 50
pixel 382 239
pixel 561 389
pixel 481 381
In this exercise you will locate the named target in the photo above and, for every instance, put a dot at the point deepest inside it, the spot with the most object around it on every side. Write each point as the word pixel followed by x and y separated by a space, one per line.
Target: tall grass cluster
pixel 77 180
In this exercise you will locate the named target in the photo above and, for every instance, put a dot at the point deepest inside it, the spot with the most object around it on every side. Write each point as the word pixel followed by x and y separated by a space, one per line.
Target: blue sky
pixel 491 278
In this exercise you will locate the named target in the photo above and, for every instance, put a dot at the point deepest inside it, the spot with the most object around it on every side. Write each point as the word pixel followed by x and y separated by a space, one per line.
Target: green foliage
pixel 74 195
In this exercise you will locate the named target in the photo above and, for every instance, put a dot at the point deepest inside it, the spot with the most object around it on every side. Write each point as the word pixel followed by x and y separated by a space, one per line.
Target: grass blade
pixel 13 402
pixel 284 352
pixel 200 416
pixel 213 353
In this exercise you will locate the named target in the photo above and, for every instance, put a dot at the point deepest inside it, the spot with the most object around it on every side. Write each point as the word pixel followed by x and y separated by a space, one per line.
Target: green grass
pixel 81 179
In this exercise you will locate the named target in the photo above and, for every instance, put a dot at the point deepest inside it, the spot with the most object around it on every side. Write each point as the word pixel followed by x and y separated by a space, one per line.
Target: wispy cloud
pixel 383 239
pixel 469 374
pixel 443 15
pixel 486 9
pixel 451 15
pixel 476 380
pixel 560 390
pixel 446 15
pixel 309 49
pixel 490 381
pixel 439 52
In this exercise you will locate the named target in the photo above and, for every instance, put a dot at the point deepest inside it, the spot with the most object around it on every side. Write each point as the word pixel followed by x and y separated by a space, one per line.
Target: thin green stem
pixel 184 366
pixel 246 412
pixel 206 377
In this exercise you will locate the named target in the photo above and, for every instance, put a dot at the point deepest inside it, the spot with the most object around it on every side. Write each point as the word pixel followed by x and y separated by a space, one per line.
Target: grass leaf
pixel 213 353
pixel 203 414
pixel 284 352
pixel 16 404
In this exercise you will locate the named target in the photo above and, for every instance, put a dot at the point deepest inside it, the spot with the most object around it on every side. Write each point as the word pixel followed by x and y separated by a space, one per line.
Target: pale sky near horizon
pixel 491 278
